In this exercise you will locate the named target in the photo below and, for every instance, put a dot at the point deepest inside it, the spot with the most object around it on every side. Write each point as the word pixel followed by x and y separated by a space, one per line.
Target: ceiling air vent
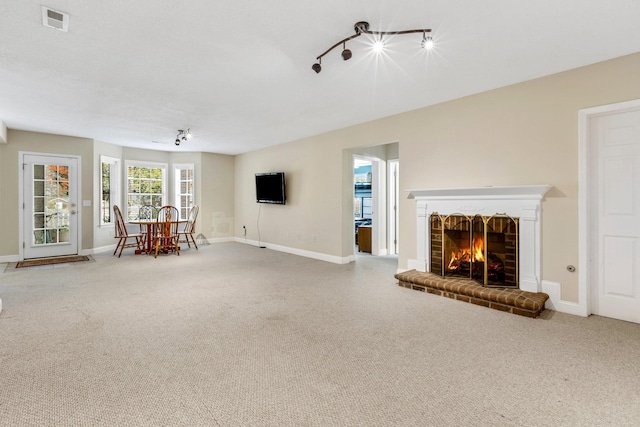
pixel 55 19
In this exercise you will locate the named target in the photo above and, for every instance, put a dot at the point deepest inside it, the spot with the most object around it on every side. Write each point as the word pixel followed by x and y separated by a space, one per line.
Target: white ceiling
pixel 238 73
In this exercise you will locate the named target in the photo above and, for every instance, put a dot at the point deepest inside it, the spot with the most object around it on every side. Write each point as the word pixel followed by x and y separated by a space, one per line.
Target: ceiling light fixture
pixel 362 27
pixel 183 136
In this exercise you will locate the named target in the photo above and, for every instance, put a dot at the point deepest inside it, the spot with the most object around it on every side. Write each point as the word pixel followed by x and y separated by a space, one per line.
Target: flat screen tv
pixel 270 188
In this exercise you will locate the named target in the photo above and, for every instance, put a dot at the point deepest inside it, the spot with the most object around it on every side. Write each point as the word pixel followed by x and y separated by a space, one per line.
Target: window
pixel 109 194
pixel 146 185
pixel 184 188
pixel 357 207
pixel 366 207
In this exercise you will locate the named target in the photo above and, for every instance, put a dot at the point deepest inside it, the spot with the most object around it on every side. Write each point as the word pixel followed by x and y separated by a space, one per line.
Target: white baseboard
pixel 10 258
pixel 556 303
pixel 348 259
pixel 221 240
pixel 416 264
pixel 301 252
pixel 98 250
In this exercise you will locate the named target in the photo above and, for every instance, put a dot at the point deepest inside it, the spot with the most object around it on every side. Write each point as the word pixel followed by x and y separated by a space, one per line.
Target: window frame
pixel 144 164
pixel 177 167
pixel 114 188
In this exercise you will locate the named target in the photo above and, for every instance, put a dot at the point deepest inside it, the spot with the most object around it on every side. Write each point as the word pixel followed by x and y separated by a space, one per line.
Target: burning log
pixel 460 264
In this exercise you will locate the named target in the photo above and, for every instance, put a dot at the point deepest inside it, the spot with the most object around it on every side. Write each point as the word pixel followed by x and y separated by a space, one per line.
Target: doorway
pixel 394 202
pixel 362 203
pixel 611 228
pixel 50 205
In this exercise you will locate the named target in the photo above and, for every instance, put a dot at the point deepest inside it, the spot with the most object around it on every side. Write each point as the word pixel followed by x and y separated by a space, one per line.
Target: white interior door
pixel 615 212
pixel 394 202
pixel 50 197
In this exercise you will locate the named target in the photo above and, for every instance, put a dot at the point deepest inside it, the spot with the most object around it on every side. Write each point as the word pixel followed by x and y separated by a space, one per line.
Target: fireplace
pixel 482 248
pixel 513 236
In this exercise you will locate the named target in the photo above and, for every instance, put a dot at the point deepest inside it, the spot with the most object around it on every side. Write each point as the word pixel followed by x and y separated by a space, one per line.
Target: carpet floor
pixel 234 335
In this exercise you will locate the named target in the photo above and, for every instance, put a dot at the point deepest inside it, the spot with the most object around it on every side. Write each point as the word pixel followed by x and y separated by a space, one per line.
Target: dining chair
pixel 147 213
pixel 123 235
pixel 190 227
pixel 166 230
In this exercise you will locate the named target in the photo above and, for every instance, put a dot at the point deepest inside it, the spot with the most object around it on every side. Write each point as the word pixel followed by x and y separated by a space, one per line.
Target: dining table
pixel 150 225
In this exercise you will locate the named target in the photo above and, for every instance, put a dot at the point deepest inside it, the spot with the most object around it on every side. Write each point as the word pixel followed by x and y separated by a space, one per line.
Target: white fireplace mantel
pixel 523 202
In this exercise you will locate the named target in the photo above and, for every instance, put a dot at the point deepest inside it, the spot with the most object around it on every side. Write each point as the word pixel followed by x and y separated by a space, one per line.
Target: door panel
pixel 619 264
pixel 50 217
pixel 615 179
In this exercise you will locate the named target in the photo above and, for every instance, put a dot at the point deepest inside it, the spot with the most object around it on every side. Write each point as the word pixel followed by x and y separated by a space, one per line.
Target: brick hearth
pixel 515 301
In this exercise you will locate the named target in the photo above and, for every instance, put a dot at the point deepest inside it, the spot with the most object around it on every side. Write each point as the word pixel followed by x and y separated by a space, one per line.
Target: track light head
pixel 316 67
pixel 427 42
pixel 378 46
pixel 177 141
pixel 346 53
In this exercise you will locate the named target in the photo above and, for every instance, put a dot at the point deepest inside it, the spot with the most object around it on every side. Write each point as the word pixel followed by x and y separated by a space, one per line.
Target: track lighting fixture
pixel 362 27
pixel 183 136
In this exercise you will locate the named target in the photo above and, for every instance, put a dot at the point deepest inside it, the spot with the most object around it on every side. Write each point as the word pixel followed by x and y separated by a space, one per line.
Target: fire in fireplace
pixel 483 248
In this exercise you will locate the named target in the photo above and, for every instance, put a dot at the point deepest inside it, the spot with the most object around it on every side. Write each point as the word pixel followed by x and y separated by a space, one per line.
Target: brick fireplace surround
pixel 523 202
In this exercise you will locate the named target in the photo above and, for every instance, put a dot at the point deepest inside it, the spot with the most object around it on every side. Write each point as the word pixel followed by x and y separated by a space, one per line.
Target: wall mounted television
pixel 270 188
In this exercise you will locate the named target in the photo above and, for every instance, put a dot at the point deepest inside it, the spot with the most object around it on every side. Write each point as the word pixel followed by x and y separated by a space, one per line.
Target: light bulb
pixel 427 43
pixel 378 46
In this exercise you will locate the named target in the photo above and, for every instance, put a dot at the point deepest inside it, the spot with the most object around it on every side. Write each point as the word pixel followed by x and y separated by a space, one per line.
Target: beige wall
pixel 311 218
pixel 523 134
pixel 1 186
pixel 40 143
pixel 218 192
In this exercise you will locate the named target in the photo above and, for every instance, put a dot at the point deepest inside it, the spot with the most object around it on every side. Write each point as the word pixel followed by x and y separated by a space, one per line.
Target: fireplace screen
pixel 483 248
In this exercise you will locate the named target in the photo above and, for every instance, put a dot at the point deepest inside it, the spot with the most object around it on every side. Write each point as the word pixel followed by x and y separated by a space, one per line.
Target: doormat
pixel 51 261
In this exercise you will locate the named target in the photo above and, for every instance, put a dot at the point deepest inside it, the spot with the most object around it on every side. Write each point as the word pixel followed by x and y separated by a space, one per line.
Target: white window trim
pixel 176 183
pixel 114 184
pixel 125 172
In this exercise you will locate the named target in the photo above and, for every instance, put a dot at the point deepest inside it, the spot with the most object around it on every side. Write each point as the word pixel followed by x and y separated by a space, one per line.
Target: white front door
pixel 615 213
pixel 50 214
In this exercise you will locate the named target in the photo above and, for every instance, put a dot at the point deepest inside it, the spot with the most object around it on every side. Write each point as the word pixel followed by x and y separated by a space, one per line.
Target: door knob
pixel 73 212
